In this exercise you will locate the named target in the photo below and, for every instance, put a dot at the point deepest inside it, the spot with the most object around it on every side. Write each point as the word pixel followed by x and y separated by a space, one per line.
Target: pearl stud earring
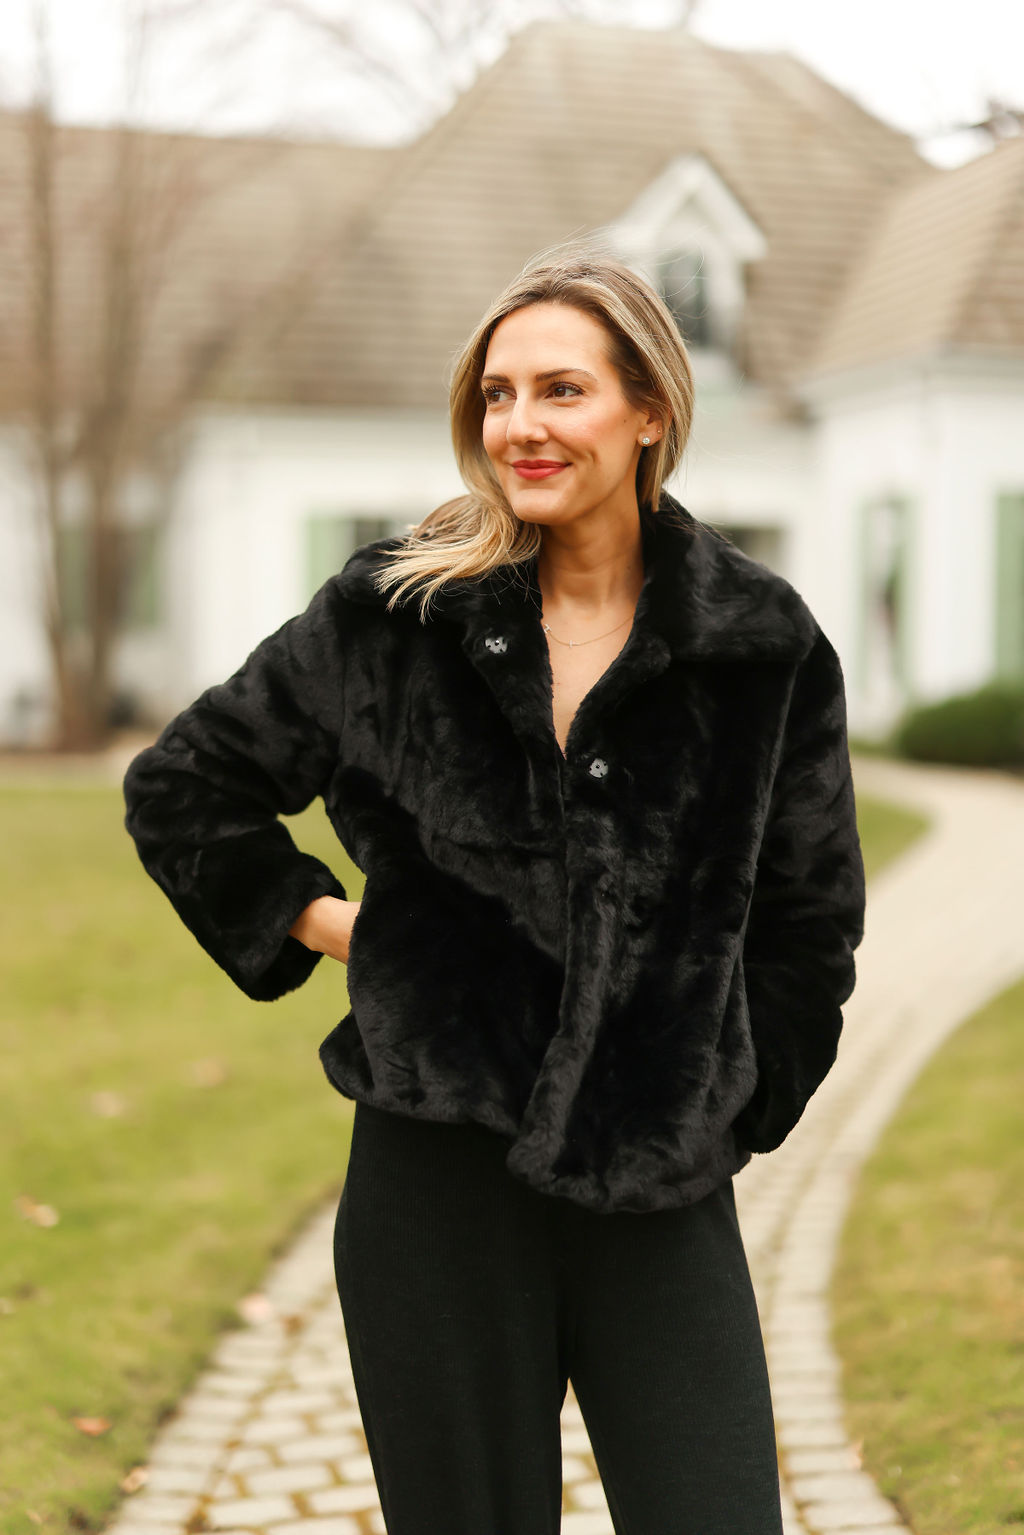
pixel 646 441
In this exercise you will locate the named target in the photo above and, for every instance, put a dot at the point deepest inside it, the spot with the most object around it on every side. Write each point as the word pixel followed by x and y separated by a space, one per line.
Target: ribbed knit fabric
pixel 470 1299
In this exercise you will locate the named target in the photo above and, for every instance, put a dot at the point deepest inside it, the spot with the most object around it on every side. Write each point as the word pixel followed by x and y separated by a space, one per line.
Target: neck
pixel 591 568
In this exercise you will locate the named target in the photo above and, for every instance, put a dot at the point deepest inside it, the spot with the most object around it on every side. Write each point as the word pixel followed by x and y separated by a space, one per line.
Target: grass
pixel 886 830
pixel 929 1290
pixel 170 1210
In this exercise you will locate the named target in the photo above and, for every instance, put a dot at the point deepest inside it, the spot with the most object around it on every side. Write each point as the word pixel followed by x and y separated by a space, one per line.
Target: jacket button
pixel 497 644
pixel 598 768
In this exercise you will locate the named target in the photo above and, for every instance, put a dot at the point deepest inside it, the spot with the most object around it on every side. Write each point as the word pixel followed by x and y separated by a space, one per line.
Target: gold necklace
pixel 586 642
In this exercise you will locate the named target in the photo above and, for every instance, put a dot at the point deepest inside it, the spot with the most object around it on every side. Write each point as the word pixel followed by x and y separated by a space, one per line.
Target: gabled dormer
pixel 691 238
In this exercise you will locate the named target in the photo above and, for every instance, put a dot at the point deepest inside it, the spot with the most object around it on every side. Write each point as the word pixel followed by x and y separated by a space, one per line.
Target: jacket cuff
pixel 279 963
pixel 239 900
pixel 796 1022
pixel 779 1098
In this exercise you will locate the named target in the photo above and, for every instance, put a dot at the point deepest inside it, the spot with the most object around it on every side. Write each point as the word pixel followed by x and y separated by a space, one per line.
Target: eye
pixel 571 388
pixel 492 393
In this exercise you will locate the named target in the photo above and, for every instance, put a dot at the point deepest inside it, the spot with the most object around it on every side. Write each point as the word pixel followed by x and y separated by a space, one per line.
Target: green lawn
pixel 228 1136
pixel 928 1296
pixel 929 1290
pixel 169 1211
pixel 885 830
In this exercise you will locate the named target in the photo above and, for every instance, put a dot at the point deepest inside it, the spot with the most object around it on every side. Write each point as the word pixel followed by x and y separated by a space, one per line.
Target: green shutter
pixel 330 540
pixel 73 568
pixel 138 556
pixel 140 576
pixel 321 545
pixel 1009 593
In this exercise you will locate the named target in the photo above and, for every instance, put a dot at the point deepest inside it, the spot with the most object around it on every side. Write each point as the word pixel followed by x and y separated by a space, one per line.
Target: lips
pixel 538 468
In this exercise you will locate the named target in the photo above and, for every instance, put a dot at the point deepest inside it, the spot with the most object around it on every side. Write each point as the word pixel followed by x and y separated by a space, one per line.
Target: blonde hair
pixel 474 533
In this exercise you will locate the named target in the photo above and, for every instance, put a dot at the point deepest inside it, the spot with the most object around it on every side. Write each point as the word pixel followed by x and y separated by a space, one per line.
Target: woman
pixel 593 762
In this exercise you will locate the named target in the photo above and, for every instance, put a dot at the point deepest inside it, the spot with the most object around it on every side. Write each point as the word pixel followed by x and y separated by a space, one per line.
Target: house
pixel 915 397
pixel 855 318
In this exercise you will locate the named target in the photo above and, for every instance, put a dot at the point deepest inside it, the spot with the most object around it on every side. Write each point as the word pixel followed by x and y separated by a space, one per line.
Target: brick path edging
pixel 933 954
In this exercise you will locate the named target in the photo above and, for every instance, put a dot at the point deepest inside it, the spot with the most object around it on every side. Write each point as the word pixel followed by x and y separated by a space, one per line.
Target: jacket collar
pixel 701 595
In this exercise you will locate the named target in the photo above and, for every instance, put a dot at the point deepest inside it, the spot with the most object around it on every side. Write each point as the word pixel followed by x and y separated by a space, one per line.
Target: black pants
pixel 469 1299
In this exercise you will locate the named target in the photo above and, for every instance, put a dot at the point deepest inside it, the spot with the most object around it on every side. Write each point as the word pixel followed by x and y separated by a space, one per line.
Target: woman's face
pixel 562 437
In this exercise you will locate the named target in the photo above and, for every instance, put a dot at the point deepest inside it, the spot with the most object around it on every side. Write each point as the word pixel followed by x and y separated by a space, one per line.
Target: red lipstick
pixel 538 468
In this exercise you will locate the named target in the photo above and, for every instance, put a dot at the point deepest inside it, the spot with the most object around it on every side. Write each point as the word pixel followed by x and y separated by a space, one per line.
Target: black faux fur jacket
pixel 629 961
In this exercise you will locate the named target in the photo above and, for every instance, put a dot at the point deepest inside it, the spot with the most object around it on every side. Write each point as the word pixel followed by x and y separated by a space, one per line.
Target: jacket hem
pixel 726 1157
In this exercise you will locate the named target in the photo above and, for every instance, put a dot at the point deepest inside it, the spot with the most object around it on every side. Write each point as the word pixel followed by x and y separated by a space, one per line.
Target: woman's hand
pixel 326 926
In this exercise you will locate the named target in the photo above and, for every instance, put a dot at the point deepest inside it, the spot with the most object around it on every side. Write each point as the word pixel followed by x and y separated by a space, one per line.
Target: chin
pixel 533 509
pixel 534 513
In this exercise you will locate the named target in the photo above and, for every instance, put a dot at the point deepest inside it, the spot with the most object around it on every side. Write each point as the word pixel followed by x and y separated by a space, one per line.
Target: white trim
pixel 986 370
pixel 688 207
pixel 688 183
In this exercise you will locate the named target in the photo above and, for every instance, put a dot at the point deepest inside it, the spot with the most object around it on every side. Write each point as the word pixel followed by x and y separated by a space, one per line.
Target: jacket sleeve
pixel 203 802
pixel 807 907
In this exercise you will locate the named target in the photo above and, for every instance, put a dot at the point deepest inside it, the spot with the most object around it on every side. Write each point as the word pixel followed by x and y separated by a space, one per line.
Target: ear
pixel 653 427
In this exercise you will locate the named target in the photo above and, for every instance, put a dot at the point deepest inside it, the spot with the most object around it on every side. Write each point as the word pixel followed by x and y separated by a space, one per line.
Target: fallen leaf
pixel 93 1426
pixel 6 1306
pixel 209 1072
pixel 107 1105
pixel 256 1308
pixel 30 1513
pixel 137 1477
pixel 31 1210
pixel 293 1322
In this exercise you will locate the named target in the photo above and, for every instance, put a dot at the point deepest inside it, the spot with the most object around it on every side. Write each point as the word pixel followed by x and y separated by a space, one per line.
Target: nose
pixel 524 422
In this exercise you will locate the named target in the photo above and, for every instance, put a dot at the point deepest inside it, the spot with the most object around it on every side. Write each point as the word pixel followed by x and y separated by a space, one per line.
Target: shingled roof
pixel 227 236
pixel 557 140
pixel 359 271
pixel 944 270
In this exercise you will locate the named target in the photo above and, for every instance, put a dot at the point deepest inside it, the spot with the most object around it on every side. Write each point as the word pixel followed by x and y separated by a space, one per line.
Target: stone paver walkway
pixel 270 1439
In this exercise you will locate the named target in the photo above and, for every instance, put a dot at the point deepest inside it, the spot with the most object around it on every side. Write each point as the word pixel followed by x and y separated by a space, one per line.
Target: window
pixel 681 283
pixel 330 540
pixel 885 531
pixel 690 235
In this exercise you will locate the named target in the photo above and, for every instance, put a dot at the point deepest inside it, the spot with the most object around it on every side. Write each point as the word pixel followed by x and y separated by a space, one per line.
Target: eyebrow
pixel 539 378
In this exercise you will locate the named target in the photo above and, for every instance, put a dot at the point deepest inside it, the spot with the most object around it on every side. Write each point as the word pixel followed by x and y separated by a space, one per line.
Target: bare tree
pixel 96 222
pixel 125 334
pixel 112 372
pixel 449 41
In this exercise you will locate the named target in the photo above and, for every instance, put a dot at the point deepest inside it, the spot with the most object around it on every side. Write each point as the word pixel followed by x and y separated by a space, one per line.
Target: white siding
pixel 237 556
pixel 24 659
pixel 746 468
pixel 949 439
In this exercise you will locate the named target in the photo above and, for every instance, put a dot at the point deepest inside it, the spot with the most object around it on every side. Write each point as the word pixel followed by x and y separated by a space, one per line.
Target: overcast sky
pixel 921 64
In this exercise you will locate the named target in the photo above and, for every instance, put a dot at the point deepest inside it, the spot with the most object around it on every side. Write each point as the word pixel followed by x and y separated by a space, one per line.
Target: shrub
pixel 984 728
